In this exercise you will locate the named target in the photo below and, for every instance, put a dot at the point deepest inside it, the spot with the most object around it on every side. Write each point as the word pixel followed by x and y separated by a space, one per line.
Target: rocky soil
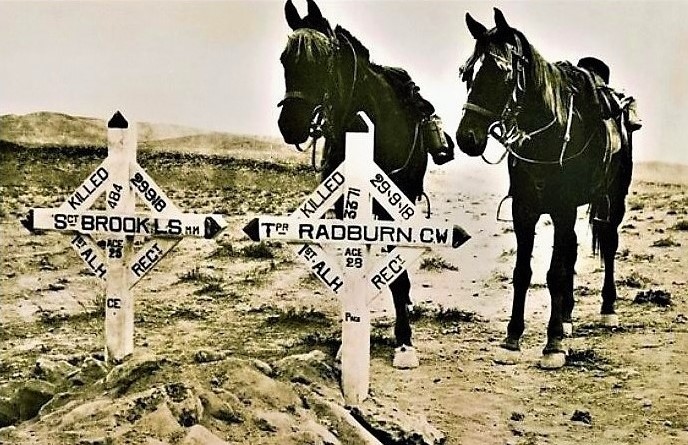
pixel 235 341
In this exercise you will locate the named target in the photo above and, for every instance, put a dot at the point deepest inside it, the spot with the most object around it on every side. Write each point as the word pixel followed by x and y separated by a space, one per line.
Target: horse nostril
pixel 472 138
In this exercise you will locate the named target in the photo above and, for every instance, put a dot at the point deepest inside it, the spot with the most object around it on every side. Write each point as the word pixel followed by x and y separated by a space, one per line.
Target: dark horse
pixel 549 119
pixel 329 79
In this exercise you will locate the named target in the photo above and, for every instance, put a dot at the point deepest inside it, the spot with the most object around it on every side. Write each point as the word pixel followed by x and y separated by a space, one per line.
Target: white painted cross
pixel 121 179
pixel 357 278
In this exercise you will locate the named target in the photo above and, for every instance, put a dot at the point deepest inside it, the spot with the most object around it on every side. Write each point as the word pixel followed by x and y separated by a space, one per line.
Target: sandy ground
pixel 622 386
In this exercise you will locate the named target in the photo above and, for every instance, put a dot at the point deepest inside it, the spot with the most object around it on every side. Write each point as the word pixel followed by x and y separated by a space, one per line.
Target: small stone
pixel 517 417
pixel 506 359
pixel 208 356
pixel 264 424
pixel 92 369
pixel 200 435
pixel 647 403
pixel 215 407
pixel 124 375
pixel 263 367
pixel 99 440
pixel 53 371
pixel 184 404
pixel 160 423
pixel 582 416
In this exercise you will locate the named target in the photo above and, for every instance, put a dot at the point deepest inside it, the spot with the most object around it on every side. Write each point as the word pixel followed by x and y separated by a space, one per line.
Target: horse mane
pixel 359 48
pixel 314 46
pixel 553 80
pixel 308 43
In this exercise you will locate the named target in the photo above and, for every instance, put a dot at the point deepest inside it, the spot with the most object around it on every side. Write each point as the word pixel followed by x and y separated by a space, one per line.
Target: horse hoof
pixel 510 344
pixel 610 320
pixel 568 329
pixel 506 357
pixel 405 357
pixel 553 360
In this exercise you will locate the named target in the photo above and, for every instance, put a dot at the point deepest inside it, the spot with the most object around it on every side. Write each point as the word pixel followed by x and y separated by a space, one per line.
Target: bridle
pixel 504 127
pixel 321 118
pixel 514 66
pixel 320 124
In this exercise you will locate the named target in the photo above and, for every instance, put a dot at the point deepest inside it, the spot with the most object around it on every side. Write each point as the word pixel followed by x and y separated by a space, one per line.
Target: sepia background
pixel 235 341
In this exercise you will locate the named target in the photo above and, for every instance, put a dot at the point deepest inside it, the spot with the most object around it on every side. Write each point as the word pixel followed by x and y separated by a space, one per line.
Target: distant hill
pixel 661 172
pixel 47 128
pixel 44 128
pixel 58 129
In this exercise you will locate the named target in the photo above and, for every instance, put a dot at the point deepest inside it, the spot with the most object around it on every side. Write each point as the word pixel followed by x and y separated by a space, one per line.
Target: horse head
pixel 306 60
pixel 494 76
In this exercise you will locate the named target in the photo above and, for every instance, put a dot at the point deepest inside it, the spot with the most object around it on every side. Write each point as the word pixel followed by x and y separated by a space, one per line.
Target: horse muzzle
pixel 293 127
pixel 470 142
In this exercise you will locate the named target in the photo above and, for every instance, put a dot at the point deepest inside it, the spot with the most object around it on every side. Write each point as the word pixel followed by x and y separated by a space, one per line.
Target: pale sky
pixel 215 64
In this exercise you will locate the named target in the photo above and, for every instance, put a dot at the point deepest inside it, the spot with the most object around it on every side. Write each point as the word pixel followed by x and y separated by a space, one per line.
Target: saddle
pixel 620 116
pixel 618 111
pixel 438 143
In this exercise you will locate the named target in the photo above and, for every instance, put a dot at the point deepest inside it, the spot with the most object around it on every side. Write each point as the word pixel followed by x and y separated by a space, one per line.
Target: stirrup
pixel 499 209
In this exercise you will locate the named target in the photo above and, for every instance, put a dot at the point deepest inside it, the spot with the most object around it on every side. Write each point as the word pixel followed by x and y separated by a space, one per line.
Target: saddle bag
pixel 438 143
pixel 630 107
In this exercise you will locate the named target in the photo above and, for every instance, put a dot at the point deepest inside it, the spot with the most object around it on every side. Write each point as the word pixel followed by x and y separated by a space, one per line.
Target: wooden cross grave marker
pixel 121 179
pixel 358 278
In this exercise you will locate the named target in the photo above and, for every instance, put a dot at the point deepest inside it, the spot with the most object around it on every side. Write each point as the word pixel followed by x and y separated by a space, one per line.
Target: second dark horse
pixel 549 118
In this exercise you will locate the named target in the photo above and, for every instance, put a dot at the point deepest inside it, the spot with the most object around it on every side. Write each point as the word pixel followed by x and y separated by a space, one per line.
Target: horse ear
pixel 500 21
pixel 476 28
pixel 292 15
pixel 314 11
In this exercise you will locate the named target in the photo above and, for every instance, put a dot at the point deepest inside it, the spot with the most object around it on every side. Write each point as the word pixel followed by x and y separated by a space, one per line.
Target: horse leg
pixel 404 355
pixel 609 243
pixel 401 288
pixel 569 302
pixel 524 228
pixel 558 275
